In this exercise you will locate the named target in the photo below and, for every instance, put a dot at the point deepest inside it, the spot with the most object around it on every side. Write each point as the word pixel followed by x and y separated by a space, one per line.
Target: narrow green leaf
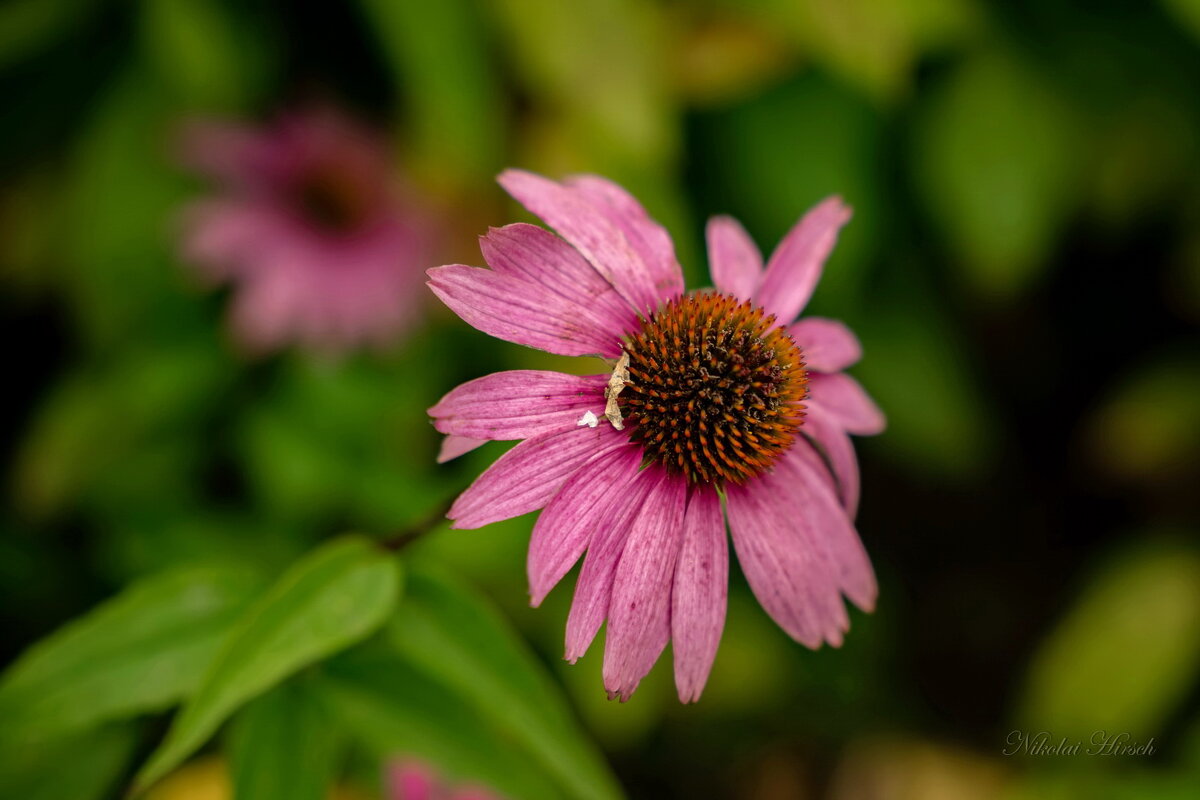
pixel 282 745
pixel 437 52
pixel 204 52
pixel 456 638
pixel 142 651
pixel 330 599
pixel 79 766
pixel 396 710
pixel 1126 654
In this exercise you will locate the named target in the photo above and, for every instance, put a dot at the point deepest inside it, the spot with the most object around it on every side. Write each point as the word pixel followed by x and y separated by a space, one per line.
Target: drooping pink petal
pixel 845 401
pixel 828 345
pixel 521 311
pixel 592 233
pixel 518 404
pixel 733 258
pixel 527 476
pixel 582 506
pixel 409 780
pixel 593 590
pixel 828 527
pixel 795 266
pixel 649 239
pixel 699 593
pixel 835 446
pixel 639 613
pixel 786 569
pixel 535 254
pixel 455 446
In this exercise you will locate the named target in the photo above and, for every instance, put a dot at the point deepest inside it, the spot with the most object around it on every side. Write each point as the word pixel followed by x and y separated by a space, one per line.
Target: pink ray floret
pixel 652 538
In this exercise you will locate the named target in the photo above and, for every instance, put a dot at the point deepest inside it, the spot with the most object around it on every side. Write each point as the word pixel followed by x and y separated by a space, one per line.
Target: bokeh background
pixel 1023 268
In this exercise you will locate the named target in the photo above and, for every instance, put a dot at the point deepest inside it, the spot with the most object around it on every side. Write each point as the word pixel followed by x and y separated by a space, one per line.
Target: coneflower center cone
pixel 715 388
pixel 331 198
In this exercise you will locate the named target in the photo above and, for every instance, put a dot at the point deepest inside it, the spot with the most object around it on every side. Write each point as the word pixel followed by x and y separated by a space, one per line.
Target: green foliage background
pixel 189 559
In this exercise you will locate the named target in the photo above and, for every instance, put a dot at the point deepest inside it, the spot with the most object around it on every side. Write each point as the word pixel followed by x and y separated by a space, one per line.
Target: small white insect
pixel 620 376
pixel 589 419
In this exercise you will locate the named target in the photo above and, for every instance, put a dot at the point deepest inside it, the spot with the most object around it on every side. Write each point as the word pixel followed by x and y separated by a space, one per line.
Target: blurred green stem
pixel 401 539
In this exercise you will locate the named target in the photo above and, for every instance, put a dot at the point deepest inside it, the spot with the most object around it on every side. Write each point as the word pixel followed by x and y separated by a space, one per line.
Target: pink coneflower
pixel 413 780
pixel 323 246
pixel 707 396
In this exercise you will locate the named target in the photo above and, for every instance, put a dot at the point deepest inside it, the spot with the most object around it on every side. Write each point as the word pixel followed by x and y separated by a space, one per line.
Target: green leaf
pixel 29 25
pixel 997 157
pixel 332 598
pixel 1187 12
pixel 939 422
pixel 1126 654
pixel 396 710
pixel 142 651
pixel 1148 430
pixel 459 640
pixel 593 66
pixel 282 745
pixel 437 54
pixel 81 766
pixel 872 43
pixel 124 195
pixel 204 52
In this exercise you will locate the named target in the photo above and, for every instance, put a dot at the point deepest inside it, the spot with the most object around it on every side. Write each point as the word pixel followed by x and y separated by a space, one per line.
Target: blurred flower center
pixel 714 389
pixel 333 198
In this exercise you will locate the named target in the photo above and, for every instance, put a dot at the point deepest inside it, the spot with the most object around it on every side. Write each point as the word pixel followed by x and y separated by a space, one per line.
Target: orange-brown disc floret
pixel 715 388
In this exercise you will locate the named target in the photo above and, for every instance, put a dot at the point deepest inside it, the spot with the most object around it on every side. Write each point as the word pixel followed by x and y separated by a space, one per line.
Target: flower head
pixel 323 245
pixel 715 407
pixel 413 780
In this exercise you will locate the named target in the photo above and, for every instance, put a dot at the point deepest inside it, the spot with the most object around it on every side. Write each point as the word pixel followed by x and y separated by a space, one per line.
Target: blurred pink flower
pixel 712 395
pixel 309 223
pixel 413 780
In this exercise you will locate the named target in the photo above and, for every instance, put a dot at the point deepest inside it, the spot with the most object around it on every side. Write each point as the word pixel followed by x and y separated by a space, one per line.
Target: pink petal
pixel 733 258
pixel 649 239
pixel 535 254
pixel 783 560
pixel 795 266
pixel 518 404
pixel 529 475
pixel 828 345
pixel 455 446
pixel 522 312
pixel 830 529
pixel 837 448
pixel 639 614
pixel 410 781
pixel 591 231
pixel 582 506
pixel 227 151
pixel 844 400
pixel 226 237
pixel 593 590
pixel 699 595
